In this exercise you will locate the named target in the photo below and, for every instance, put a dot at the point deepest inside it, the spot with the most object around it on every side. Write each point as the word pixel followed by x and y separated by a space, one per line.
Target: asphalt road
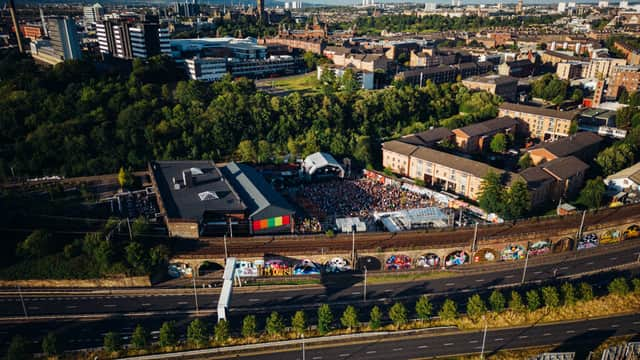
pixel 337 291
pixel 580 337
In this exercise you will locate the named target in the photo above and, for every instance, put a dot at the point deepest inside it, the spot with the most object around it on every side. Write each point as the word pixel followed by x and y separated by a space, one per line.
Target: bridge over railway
pixel 435 247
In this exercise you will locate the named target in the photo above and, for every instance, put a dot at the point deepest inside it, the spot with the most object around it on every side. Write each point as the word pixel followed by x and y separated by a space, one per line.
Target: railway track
pixel 319 243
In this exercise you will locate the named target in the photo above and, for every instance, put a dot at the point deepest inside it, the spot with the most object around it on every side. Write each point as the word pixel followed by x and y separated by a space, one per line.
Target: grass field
pixel 306 83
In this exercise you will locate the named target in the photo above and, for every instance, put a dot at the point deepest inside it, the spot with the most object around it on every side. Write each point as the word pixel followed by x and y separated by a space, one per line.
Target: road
pixel 342 290
pixel 580 336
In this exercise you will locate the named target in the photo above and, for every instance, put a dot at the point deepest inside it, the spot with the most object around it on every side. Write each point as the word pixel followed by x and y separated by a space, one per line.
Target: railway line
pixel 319 243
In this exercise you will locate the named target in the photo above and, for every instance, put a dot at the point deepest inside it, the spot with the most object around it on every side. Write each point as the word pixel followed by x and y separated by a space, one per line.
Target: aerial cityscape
pixel 320 180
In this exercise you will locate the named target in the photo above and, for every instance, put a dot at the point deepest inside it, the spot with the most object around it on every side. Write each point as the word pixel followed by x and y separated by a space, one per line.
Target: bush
pixel 168 335
pixel 424 309
pixel 112 342
pixel 619 286
pixel 17 349
pixel 515 303
pixel 398 314
pixel 221 333
pixel 197 334
pixel 325 318
pixel 349 318
pixel 299 322
pixel 586 292
pixel 496 301
pixel 50 345
pixel 533 300
pixel 274 325
pixel 249 326
pixel 475 307
pixel 449 310
pixel 375 318
pixel 550 296
pixel 568 294
pixel 140 338
pixel 636 285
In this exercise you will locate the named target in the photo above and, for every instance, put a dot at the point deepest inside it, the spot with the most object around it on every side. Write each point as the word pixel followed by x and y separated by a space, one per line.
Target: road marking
pixel 355 293
pixel 473 341
pixel 34 308
pixel 316 358
pixel 546 334
pixel 523 337
pixel 590 263
pixel 110 305
pixel 592 329
pixel 371 352
pixel 538 272
pixel 499 339
pixel 571 331
pixel 254 300
pixel 388 290
pixel 344 355
pixel 564 268
pixel 509 276
pixel 613 258
pixel 397 349
pixel 479 280
pixel 615 326
pixel 448 344
pixel 449 284
pixel 636 323
pixel 71 307
pixel 145 304
pixel 423 346
pixel 287 298
pixel 182 303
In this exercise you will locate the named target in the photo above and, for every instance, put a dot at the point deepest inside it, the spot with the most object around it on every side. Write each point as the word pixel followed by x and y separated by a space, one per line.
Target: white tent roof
pixel 318 160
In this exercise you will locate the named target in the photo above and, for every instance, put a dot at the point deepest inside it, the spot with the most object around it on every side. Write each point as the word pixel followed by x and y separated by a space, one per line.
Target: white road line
pixel 448 344
pixel 371 352
pixel 287 298
pixel 316 358
pixel 509 276
pixel 590 263
pixel 449 284
pixel 523 337
pixel 636 323
pixel 423 346
pixel 388 290
pixel 499 339
pixel 254 300
pixel 571 331
pixel 546 334
pixel 71 307
pixel 145 304
pixel 564 268
pixel 538 272
pixel 479 280
pixel 615 326
pixel 613 258
pixel 355 293
pixel 182 303
pixel 592 329
pixel 473 341
pixel 397 349
pixel 110 305
pixel 344 355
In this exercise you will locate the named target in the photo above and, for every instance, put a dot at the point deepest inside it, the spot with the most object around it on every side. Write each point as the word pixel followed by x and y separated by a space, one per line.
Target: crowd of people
pixel 361 197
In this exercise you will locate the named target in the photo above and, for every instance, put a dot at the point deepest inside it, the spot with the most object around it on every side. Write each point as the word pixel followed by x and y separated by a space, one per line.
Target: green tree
pixel 325 318
pixel 38 244
pixel 586 291
pixel 496 301
pixel 375 318
pixel 635 282
pixel 349 318
pixel 168 335
pixel 518 201
pixel 137 257
pixel 424 309
pixel 249 326
pixel 515 302
pixel 525 161
pixel 50 344
pixel 476 307
pixel 17 349
pixel 491 198
pixel 398 314
pixel 568 294
pixel 449 310
pixel 140 338
pixel 221 331
pixel 264 151
pixel 592 193
pixel 533 300
pixel 616 157
pixel 112 342
pixel 197 334
pixel 299 322
pixel 550 296
pixel 274 325
pixel 499 143
pixel 247 151
pixel 618 286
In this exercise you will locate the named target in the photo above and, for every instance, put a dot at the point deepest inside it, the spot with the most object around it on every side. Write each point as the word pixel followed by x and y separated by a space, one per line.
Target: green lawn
pixel 303 83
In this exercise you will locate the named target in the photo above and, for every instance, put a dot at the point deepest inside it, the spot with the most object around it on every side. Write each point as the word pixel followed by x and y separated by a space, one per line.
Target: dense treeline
pixel 413 23
pixel 71 120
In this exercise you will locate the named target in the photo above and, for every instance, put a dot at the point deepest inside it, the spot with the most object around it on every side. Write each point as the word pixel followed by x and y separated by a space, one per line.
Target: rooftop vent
pixel 208 195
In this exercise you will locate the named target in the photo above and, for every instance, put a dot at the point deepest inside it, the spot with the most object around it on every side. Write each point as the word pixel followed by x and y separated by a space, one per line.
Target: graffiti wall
pixel 457 258
pixel 610 237
pixel 631 232
pixel 337 265
pixel 428 261
pixel 306 267
pixel 513 252
pixel 485 255
pixel 397 262
pixel 540 248
pixel 588 241
pixel 246 269
pixel 564 244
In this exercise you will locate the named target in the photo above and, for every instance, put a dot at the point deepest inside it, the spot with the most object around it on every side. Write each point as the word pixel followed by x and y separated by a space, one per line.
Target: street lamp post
pixel 226 254
pixel 195 291
pixel 484 338
pixel 526 262
pixel 24 307
pixel 303 354
pixel 353 247
pixel 365 284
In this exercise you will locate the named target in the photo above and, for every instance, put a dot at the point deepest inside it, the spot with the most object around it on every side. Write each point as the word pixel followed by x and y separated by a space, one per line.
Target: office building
pixel 92 14
pixel 187 8
pixel 64 38
pixel 125 40
pixel 206 69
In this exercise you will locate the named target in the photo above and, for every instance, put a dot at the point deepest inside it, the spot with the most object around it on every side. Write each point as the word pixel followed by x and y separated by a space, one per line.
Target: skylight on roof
pixel 208 195
pixel 196 171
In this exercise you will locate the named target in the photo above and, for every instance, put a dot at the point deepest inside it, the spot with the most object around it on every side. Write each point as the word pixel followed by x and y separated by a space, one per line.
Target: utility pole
pixel 365 284
pixel 584 214
pixel 526 262
pixel 484 337
pixel 24 307
pixel 226 254
pixel 303 354
pixel 353 246
pixel 129 226
pixel 195 290
pixel 230 229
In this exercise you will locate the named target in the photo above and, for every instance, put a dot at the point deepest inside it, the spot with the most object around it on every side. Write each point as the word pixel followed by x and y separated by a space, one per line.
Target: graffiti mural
pixel 631 232
pixel 588 241
pixel 540 248
pixel 246 269
pixel 610 237
pixel 398 262
pixel 370 262
pixel 485 255
pixel 337 265
pixel 306 267
pixel 428 261
pixel 513 252
pixel 457 258
pixel 277 267
pixel 179 270
pixel 564 244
